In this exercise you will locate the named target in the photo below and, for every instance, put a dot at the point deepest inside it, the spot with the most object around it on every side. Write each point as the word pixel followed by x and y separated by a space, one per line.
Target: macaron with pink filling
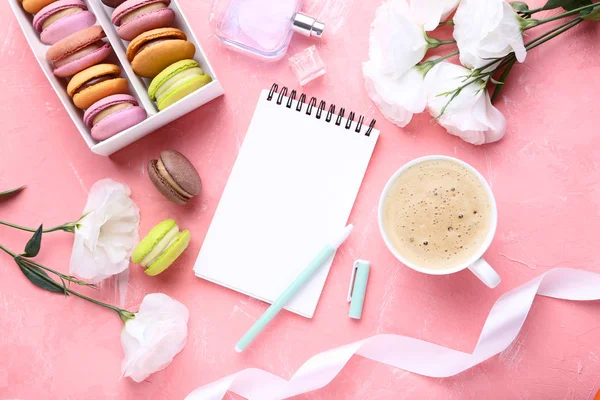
pixel 137 16
pixel 78 51
pixel 62 18
pixel 113 114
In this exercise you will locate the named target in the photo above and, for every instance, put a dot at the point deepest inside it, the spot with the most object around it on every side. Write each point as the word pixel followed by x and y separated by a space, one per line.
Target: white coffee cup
pixel 476 263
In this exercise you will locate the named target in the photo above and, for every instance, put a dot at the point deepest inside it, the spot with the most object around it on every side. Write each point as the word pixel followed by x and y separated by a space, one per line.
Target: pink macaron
pixel 78 51
pixel 113 114
pixel 137 16
pixel 62 18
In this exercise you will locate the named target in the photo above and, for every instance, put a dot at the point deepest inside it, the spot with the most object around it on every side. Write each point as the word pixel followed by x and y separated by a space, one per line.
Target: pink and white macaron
pixel 62 18
pixel 137 16
pixel 78 51
pixel 113 114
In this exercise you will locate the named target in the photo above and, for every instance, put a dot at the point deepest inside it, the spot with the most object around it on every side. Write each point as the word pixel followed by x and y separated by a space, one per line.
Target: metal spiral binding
pixel 312 103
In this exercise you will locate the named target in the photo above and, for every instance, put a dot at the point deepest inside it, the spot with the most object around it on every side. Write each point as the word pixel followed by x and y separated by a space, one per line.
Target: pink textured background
pixel 544 174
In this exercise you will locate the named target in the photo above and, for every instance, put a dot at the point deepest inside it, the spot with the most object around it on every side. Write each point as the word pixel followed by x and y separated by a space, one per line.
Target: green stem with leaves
pixel 553 33
pixel 528 46
pixel 480 73
pixel 68 278
pixel 37 269
pixel 532 23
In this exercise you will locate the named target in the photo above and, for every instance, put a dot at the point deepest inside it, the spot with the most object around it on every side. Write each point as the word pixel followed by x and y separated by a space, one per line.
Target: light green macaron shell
pixel 177 81
pixel 161 247
pixel 170 255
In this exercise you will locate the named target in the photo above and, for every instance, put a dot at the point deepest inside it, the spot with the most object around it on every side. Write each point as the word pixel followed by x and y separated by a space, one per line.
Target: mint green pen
pixel 299 282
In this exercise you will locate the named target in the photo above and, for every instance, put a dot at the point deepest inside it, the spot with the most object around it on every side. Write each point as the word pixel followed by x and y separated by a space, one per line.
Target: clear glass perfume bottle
pixel 262 27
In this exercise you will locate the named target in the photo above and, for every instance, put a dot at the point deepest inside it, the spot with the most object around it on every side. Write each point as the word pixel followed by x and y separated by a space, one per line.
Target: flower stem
pixel 432 42
pixel 426 66
pixel 60 275
pixel 532 11
pixel 68 227
pixel 553 33
pixel 533 23
pixel 442 58
pixel 528 45
pixel 481 73
pixel 123 314
pixel 10 253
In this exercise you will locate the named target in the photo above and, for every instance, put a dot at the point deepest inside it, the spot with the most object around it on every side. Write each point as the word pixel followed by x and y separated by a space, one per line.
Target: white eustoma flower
pixel 396 42
pixel 154 337
pixel 429 13
pixel 399 98
pixel 106 236
pixel 471 115
pixel 487 29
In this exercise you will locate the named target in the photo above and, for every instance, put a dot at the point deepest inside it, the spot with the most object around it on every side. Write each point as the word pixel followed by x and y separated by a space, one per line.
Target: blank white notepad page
pixel 292 187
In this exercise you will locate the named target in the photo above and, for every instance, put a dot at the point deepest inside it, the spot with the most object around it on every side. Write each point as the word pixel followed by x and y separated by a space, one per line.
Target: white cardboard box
pixel 138 86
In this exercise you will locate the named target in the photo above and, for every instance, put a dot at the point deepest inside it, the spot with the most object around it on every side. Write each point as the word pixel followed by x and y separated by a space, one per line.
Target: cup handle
pixel 486 273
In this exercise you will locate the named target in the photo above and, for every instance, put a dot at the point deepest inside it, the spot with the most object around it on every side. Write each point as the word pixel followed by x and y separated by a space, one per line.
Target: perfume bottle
pixel 262 28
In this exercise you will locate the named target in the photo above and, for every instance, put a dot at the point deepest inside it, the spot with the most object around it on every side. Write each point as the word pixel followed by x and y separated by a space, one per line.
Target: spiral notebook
pixel 292 187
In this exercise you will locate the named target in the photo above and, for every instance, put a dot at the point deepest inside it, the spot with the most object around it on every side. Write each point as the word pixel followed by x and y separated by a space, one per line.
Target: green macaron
pixel 161 247
pixel 177 81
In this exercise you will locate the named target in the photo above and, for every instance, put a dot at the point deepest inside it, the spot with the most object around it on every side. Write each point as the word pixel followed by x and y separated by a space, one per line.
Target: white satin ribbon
pixel 501 327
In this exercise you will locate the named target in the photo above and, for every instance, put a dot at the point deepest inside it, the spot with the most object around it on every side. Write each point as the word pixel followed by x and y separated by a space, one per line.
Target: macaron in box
pixel 62 18
pixel 113 114
pixel 138 87
pixel 135 17
pixel 78 51
pixel 153 51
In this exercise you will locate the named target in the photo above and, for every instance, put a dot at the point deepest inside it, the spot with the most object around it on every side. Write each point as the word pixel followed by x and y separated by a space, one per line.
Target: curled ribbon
pixel 501 327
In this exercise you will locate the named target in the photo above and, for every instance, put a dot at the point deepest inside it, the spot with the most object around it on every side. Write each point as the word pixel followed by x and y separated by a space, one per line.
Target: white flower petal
pixel 154 337
pixel 470 116
pixel 398 99
pixel 107 235
pixel 487 29
pixel 429 13
pixel 396 42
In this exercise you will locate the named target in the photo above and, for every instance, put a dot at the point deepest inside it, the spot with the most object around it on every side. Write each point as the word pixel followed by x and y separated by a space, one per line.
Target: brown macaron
pixel 175 177
pixel 95 83
pixel 113 3
pixel 34 6
pixel 152 51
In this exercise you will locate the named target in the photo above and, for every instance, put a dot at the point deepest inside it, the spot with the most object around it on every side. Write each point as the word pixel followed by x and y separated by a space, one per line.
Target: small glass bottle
pixel 262 28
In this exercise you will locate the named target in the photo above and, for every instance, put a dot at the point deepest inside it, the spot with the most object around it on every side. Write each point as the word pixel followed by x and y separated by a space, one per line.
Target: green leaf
pixel 573 4
pixel 592 14
pixel 519 6
pixel 39 277
pixel 10 193
pixel 566 4
pixel 33 246
pixel 495 82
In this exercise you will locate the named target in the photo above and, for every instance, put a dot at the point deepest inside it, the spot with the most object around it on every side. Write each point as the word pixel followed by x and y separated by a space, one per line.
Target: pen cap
pixel 358 287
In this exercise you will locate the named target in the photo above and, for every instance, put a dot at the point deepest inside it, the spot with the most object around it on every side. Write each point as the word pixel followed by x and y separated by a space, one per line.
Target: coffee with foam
pixel 437 214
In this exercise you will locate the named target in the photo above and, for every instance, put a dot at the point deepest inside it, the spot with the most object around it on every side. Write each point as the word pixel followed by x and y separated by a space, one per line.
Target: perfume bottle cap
pixel 308 26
